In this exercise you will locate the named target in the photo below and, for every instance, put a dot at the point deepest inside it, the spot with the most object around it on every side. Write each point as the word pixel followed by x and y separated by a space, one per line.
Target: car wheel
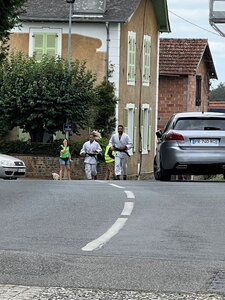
pixel 164 175
pixel 156 171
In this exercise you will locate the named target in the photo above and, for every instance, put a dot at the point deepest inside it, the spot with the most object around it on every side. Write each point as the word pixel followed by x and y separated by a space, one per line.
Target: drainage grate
pixel 218 283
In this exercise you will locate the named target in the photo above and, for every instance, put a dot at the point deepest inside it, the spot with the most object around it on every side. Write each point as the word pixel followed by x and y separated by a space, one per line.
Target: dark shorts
pixel 64 161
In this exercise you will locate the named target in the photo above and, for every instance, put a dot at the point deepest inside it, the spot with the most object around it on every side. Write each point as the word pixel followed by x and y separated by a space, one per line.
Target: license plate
pixel 205 142
pixel 21 170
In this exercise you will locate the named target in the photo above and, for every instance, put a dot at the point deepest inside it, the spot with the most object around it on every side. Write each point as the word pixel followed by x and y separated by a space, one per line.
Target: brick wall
pixel 172 97
pixel 177 94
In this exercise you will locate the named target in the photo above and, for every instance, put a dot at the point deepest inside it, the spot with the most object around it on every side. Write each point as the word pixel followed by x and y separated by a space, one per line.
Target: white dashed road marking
pixel 129 194
pixel 127 210
pixel 117 186
pixel 116 227
pixel 99 242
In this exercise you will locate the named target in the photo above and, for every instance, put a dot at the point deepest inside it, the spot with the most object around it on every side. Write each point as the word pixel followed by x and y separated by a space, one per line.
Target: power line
pixel 194 24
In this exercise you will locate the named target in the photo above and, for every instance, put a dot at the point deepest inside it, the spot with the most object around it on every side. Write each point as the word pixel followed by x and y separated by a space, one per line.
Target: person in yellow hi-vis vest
pixel 109 159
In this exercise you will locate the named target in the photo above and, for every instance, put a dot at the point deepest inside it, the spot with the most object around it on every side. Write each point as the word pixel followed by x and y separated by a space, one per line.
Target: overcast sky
pixel 190 19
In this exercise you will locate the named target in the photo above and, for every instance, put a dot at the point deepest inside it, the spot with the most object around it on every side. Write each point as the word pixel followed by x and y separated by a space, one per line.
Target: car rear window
pixel 200 124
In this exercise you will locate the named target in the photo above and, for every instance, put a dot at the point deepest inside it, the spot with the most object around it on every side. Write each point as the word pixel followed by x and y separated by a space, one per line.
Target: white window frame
pixel 146 61
pixel 146 128
pixel 32 32
pixel 131 58
pixel 130 128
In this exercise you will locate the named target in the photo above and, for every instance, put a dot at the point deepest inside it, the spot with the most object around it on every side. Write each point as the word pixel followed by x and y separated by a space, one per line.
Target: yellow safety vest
pixel 108 159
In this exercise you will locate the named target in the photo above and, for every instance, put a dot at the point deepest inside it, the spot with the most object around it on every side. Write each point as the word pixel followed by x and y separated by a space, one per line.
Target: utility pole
pixel 71 2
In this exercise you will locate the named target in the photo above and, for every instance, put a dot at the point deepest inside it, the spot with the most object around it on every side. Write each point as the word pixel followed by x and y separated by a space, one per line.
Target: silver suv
pixel 192 143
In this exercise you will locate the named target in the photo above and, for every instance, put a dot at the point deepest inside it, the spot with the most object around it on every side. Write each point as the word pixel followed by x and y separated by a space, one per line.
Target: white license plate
pixel 21 170
pixel 205 142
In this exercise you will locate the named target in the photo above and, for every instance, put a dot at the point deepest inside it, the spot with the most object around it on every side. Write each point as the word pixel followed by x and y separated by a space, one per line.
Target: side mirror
pixel 159 133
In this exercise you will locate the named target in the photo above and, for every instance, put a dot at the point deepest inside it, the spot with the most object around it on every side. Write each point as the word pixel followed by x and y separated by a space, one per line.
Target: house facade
pixel 186 67
pixel 122 35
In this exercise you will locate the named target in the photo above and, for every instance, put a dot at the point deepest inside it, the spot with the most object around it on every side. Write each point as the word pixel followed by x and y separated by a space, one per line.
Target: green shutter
pixel 38 45
pixel 142 129
pixel 149 129
pixel 45 44
pixel 51 44
pixel 135 130
pixel 131 58
pixel 125 120
pixel 146 60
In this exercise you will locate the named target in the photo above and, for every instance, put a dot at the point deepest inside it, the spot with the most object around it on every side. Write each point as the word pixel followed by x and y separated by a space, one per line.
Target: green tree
pixel 218 94
pixel 104 109
pixel 9 11
pixel 41 96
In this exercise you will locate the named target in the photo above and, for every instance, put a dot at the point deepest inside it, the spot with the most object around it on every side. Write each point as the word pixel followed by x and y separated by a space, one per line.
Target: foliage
pixel 218 94
pixel 9 19
pixel 44 149
pixel 42 96
pixel 104 109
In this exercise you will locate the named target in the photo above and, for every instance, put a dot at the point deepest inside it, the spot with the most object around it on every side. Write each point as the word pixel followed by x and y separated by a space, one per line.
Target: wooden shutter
pixel 135 130
pixel 149 128
pixel 131 58
pixel 51 44
pixel 45 44
pixel 146 60
pixel 38 45
pixel 125 120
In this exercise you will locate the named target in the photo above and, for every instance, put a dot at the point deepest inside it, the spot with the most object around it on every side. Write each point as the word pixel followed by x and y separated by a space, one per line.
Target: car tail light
pixel 174 136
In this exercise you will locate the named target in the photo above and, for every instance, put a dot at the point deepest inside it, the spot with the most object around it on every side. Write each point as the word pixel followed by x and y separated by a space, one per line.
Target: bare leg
pixel 68 172
pixel 61 172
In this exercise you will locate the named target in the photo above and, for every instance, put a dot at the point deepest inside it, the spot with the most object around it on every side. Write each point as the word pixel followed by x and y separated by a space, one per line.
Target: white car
pixel 11 167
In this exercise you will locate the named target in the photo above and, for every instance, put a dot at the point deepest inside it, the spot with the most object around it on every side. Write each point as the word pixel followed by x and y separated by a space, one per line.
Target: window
pixel 131 58
pixel 129 124
pixel 146 60
pixel 45 42
pixel 90 6
pixel 146 128
pixel 198 90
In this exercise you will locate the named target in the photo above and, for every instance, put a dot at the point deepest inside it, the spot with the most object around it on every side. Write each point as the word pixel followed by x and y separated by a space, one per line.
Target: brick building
pixel 185 69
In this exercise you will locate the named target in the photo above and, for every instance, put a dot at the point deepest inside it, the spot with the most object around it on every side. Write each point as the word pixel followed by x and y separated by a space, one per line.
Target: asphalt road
pixel 130 235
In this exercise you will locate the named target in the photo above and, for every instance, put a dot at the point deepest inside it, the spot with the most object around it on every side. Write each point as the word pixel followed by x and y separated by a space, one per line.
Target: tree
pixel 218 94
pixel 41 96
pixel 105 108
pixel 10 10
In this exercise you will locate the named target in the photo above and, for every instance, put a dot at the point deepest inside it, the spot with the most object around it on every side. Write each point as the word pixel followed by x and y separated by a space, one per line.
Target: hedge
pixel 44 149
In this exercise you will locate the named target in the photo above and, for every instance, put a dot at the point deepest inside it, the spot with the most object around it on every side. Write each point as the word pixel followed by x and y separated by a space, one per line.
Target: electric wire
pixel 200 27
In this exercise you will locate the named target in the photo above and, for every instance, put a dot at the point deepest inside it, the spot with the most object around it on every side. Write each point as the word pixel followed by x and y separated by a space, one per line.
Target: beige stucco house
pixel 123 34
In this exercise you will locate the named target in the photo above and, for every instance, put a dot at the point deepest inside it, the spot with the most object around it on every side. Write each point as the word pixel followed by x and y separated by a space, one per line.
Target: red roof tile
pixel 182 56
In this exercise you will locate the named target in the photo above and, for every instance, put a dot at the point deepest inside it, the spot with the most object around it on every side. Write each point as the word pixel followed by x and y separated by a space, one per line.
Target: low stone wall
pixel 43 167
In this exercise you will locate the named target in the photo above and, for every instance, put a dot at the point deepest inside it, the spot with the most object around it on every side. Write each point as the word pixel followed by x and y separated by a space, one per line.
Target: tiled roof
pixel 183 56
pixel 58 10
pixel 118 11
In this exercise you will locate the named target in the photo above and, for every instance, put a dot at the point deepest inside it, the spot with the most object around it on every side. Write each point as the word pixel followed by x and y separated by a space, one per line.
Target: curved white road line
pixel 127 210
pixel 116 227
pixel 117 186
pixel 129 194
pixel 103 239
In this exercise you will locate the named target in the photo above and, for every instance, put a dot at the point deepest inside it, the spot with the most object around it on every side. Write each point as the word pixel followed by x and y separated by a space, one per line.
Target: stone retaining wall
pixel 44 166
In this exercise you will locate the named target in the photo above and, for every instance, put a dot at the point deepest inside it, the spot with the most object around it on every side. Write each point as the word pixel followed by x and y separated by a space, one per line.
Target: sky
pixel 190 19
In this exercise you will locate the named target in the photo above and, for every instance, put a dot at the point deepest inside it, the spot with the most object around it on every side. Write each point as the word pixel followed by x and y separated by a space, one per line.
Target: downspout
pixel 157 90
pixel 107 52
